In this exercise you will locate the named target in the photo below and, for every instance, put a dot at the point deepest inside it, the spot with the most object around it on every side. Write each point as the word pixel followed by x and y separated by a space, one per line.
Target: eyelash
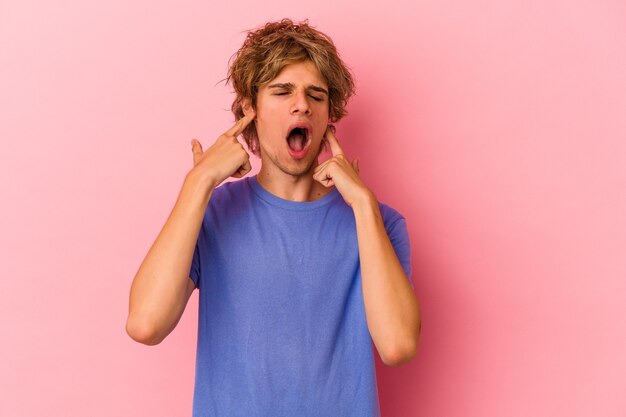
pixel 313 97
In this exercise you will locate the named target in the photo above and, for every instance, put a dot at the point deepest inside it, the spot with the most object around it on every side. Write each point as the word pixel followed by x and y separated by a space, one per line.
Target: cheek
pixel 325 115
pixel 323 123
pixel 266 112
pixel 268 126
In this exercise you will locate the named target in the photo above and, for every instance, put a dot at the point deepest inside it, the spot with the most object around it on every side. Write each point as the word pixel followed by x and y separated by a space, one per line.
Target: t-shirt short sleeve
pixel 194 271
pixel 398 234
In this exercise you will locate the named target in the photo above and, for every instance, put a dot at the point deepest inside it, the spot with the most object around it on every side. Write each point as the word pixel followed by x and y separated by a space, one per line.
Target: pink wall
pixel 497 128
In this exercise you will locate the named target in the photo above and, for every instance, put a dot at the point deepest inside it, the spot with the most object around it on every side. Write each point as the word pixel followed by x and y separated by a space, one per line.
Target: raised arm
pixel 162 286
pixel 391 308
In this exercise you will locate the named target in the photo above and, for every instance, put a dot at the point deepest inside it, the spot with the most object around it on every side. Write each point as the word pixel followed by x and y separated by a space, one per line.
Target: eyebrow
pixel 290 86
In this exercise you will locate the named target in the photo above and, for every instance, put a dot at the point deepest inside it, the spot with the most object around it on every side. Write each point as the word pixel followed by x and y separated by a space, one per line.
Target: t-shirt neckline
pixel 288 204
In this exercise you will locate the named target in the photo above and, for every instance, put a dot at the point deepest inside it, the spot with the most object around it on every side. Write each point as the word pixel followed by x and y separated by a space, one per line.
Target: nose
pixel 300 104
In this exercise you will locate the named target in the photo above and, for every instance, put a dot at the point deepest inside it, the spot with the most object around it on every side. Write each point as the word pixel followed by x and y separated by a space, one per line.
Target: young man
pixel 299 268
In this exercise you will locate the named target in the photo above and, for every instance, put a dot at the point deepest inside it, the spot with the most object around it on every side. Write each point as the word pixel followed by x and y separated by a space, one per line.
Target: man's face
pixel 291 119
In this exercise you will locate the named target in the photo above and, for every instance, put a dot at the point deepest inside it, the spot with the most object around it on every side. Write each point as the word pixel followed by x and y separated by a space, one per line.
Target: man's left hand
pixel 342 173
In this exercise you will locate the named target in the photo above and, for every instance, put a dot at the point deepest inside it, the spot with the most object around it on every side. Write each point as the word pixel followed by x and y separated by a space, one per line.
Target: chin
pixel 299 168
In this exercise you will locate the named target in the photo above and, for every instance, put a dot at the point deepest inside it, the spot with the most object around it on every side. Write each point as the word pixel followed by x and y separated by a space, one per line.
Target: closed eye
pixel 284 93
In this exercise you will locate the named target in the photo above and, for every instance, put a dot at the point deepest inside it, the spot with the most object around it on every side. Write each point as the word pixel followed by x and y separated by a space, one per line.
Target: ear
pixel 246 106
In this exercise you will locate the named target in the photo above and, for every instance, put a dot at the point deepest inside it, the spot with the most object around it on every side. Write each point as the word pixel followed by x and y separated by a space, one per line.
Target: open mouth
pixel 298 139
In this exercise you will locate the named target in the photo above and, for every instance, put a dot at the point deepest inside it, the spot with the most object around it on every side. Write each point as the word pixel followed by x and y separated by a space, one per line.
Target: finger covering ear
pixel 246 106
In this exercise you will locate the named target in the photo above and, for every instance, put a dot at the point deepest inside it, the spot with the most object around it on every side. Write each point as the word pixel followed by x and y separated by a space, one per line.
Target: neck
pixel 292 187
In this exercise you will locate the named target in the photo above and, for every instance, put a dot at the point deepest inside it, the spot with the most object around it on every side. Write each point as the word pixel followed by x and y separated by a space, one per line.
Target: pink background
pixel 497 128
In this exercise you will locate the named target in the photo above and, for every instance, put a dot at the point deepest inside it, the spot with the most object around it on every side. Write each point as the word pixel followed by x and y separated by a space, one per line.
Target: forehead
pixel 300 73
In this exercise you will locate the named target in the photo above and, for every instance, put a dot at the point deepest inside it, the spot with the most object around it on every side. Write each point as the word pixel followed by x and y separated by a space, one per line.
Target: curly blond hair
pixel 268 49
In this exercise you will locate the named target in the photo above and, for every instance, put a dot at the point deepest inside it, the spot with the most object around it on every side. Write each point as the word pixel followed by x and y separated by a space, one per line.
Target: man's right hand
pixel 225 158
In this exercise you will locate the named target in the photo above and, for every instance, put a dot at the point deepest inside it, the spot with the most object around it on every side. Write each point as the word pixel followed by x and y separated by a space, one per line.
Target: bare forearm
pixel 391 307
pixel 159 291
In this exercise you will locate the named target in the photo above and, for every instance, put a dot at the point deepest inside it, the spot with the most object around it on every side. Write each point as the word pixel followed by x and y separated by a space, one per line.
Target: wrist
pixel 199 184
pixel 365 201
pixel 201 179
